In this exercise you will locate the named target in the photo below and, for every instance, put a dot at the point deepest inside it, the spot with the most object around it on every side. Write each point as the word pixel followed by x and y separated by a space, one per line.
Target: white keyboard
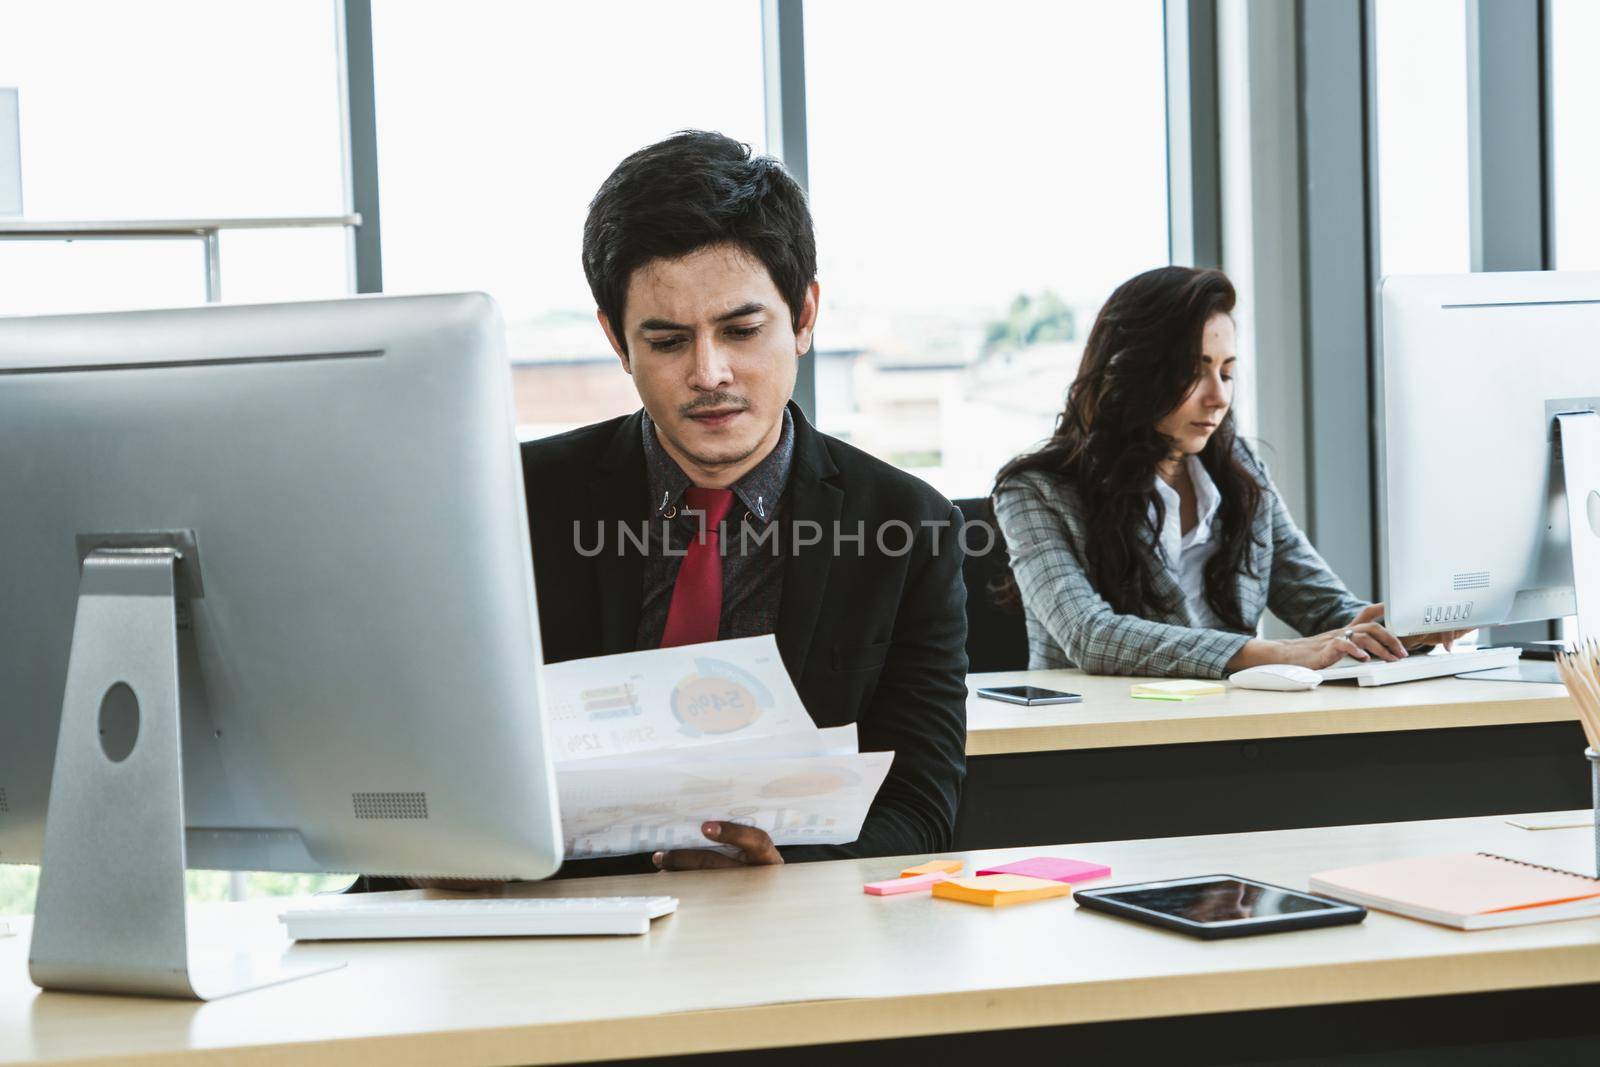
pixel 1414 668
pixel 488 917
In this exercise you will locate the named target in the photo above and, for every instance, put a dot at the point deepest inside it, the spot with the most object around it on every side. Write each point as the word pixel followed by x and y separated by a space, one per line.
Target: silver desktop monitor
pixel 1488 386
pixel 264 573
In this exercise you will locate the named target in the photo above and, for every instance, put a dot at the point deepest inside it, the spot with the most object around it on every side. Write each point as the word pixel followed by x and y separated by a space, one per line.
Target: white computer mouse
pixel 1282 677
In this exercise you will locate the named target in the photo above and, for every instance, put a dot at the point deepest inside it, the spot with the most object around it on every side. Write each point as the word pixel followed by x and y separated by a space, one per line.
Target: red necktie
pixel 695 613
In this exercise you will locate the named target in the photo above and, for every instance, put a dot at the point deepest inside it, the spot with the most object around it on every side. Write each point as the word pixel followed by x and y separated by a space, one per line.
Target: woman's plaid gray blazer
pixel 1070 624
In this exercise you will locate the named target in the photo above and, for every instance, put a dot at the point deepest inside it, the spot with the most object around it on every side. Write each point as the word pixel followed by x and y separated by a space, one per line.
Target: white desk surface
pixel 1109 717
pixel 799 955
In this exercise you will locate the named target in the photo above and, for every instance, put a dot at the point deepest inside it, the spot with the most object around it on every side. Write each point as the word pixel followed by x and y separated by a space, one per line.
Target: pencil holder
pixel 1594 775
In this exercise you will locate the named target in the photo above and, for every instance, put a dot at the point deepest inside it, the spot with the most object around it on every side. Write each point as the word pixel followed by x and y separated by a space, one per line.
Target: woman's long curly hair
pixel 1142 360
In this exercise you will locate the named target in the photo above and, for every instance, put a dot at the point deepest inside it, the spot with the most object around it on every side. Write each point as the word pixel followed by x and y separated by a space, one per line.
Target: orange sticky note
pixel 1000 890
pixel 932 867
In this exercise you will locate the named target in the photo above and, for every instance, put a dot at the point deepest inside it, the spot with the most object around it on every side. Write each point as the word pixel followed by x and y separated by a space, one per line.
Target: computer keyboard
pixel 487 917
pixel 1415 668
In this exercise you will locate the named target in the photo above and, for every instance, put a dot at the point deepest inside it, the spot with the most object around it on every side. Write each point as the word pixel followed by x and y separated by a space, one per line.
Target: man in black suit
pixel 702 261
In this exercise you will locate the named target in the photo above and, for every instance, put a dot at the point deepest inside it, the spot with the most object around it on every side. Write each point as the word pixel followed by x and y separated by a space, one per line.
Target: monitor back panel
pixel 1473 519
pixel 361 676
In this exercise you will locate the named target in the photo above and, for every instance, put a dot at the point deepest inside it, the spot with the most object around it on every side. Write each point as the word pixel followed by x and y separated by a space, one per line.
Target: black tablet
pixel 1220 905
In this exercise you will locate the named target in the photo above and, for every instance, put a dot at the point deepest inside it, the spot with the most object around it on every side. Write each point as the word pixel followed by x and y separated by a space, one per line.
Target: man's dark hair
pixel 690 191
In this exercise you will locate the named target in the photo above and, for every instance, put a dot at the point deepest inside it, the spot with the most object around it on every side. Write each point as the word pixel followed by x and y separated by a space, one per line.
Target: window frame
pixel 1194 184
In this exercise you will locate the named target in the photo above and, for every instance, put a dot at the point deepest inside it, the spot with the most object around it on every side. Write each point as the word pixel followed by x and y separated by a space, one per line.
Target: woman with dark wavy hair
pixel 1145 537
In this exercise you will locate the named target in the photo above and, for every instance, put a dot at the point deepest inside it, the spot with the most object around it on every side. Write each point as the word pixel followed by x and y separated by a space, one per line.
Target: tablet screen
pixel 1219 900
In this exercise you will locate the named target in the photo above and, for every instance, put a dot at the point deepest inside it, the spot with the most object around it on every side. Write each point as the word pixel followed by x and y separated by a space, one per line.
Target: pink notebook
pixel 1470 890
pixel 1055 868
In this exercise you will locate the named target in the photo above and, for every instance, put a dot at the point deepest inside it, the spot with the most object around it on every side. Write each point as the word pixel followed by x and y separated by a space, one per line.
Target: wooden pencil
pixel 1591 674
pixel 1581 674
pixel 1576 692
pixel 1585 691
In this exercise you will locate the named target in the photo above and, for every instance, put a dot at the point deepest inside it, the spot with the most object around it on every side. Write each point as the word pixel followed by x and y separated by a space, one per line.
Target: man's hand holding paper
pixel 655 746
pixel 754 845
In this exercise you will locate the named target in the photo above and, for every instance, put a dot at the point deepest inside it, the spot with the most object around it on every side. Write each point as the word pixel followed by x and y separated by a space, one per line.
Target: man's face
pixel 713 351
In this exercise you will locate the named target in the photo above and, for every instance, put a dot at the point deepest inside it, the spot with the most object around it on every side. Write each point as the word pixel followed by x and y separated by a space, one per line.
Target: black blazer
pixel 869 637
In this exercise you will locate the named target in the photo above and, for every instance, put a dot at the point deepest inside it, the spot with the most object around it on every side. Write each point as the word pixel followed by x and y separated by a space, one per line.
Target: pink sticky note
pixel 917 883
pixel 1055 868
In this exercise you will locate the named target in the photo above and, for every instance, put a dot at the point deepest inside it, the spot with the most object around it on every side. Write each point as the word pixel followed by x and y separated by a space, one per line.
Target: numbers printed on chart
pixel 578 744
pixel 733 697
pixel 638 735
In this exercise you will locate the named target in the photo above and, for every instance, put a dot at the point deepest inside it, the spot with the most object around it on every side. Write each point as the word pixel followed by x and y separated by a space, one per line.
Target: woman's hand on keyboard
pixel 1363 639
pixel 1447 638
pixel 1367 632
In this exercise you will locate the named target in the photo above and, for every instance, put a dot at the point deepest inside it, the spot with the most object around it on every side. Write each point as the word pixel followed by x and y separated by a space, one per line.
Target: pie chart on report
pixel 718 698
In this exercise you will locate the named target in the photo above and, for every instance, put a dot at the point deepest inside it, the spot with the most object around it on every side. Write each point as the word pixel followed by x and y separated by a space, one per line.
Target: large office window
pixel 172 109
pixel 982 178
pixel 498 120
pixel 1576 92
pixel 61 277
pixel 1423 220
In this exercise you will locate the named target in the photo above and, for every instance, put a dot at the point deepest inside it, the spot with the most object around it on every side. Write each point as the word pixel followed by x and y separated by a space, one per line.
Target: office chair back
pixel 997 637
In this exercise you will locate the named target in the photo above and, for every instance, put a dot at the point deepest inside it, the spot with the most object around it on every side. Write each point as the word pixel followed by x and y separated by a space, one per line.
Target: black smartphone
pixel 1029 695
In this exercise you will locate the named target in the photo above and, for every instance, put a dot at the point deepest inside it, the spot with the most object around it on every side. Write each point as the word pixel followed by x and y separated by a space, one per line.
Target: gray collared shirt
pixel 752 565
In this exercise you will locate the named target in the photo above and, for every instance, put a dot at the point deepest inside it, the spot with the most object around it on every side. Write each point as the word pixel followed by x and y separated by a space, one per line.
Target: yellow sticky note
pixel 1000 890
pixel 1177 689
pixel 932 867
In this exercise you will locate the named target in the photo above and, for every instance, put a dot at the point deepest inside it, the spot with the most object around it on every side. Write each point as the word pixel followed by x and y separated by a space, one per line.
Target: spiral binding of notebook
pixel 1540 866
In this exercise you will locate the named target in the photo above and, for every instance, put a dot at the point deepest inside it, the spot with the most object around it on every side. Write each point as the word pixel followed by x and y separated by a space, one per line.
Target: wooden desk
pixel 1246 760
pixel 796 956
pixel 1110 718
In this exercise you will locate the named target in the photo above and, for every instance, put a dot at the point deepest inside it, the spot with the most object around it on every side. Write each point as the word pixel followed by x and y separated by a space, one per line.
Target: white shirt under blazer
pixel 1186 554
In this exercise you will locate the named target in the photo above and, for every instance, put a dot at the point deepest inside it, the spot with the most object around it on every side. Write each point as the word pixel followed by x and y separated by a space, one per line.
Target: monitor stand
pixel 1579 436
pixel 1535 670
pixel 1578 441
pixel 110 915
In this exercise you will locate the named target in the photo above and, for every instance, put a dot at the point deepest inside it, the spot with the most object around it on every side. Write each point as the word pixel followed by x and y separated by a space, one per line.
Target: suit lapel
pixel 1166 586
pixel 617 493
pixel 813 498
pixel 1253 590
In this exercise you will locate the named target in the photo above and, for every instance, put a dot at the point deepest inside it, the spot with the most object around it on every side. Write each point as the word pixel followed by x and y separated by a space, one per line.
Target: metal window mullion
pixel 1547 128
pixel 359 145
pixel 1338 211
pixel 1194 126
pixel 1508 134
pixel 1377 513
pixel 783 53
pixel 1258 76
pixel 212 241
pixel 1510 176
